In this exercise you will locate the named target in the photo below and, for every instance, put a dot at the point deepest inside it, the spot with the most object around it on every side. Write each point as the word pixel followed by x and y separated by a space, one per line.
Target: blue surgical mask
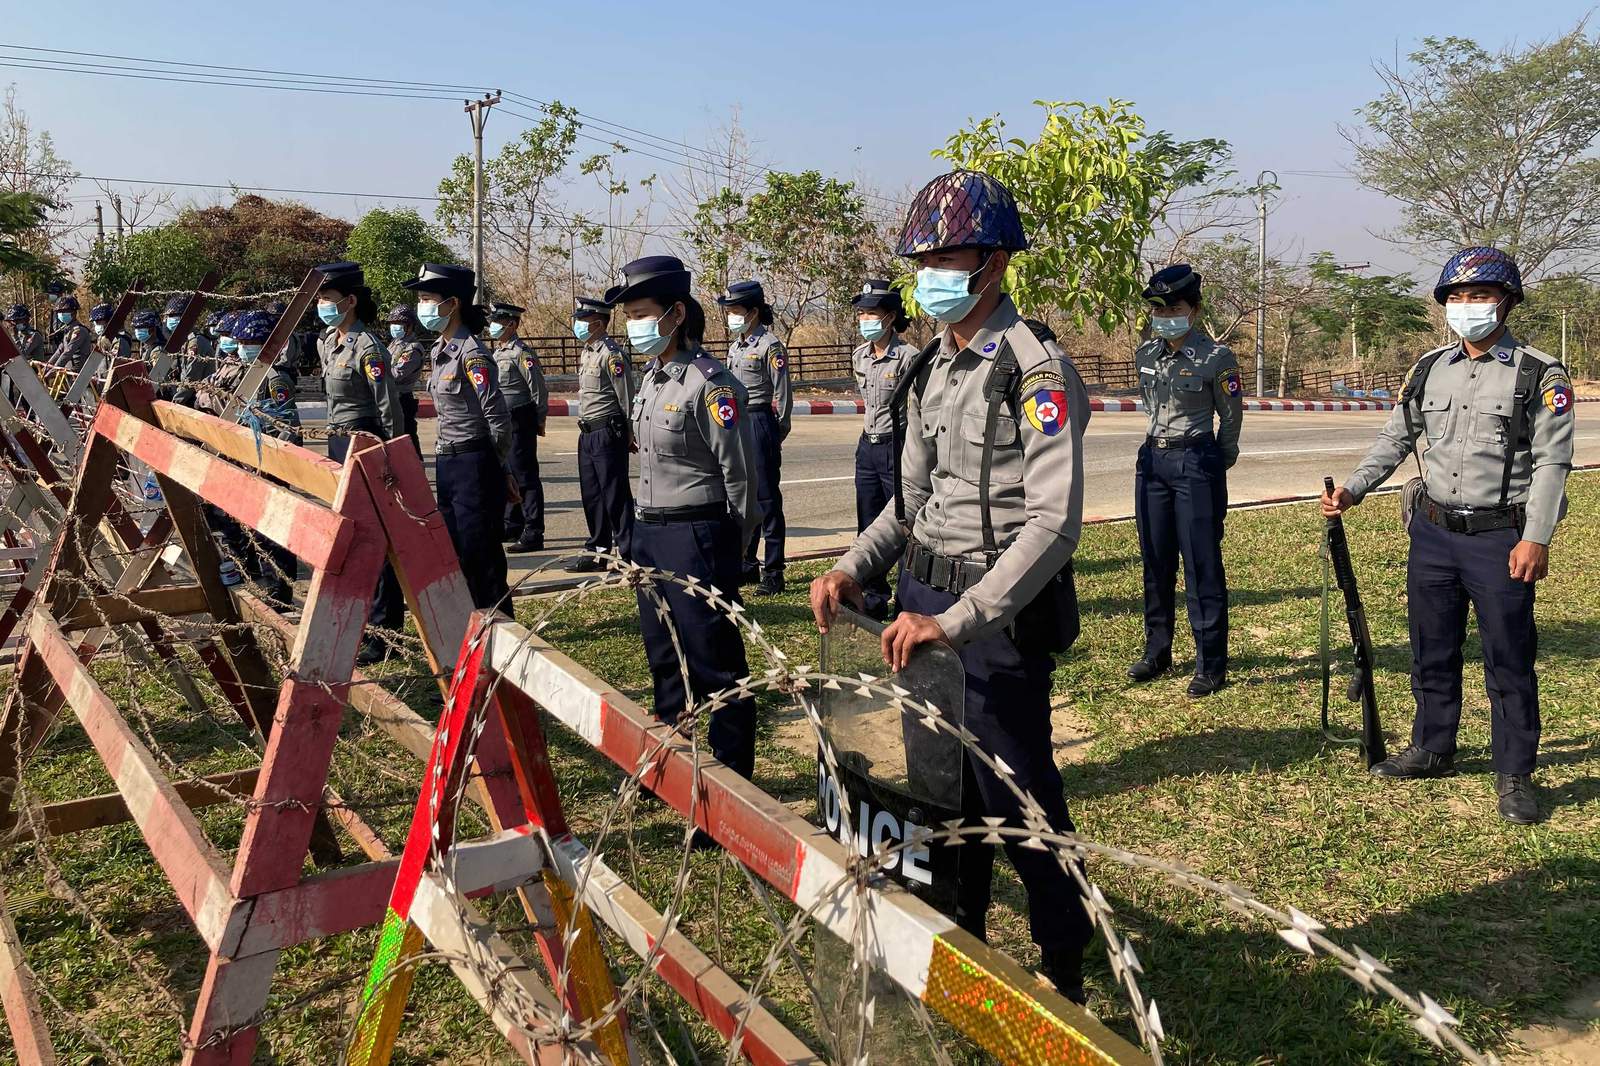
pixel 496 329
pixel 329 312
pixel 171 324
pixel 871 328
pixel 735 324
pixel 646 337
pixel 1169 327
pixel 1472 321
pixel 432 321
pixel 228 344
pixel 580 329
pixel 249 353
pixel 945 294
pixel 63 317
pixel 141 335
pixel 396 330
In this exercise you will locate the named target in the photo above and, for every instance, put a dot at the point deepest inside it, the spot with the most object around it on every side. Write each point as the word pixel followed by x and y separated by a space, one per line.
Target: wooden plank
pixel 109 808
pixel 289 463
pixel 30 1035
pixel 198 874
pixel 275 344
pixel 159 602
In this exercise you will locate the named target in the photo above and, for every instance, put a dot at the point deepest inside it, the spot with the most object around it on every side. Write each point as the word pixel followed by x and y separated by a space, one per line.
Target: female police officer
pixel 605 399
pixel 758 361
pixel 696 499
pixel 521 381
pixel 1180 493
pixel 877 364
pixel 408 358
pixel 362 398
pixel 474 428
pixel 994 520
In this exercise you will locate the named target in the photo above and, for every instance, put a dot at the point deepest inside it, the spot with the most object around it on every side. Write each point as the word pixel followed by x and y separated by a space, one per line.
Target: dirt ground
pixel 1573 1040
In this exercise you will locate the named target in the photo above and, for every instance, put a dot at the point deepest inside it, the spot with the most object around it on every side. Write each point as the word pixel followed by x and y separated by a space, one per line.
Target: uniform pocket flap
pixel 1005 430
pixel 1432 402
pixel 1189 384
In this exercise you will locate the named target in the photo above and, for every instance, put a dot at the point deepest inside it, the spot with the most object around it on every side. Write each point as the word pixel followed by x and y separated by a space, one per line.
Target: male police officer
pixel 76 342
pixel 408 357
pixel 147 335
pixel 1180 488
pixel 528 396
pixel 29 341
pixel 985 552
pixel 196 360
pixel 605 400
pixel 1498 419
pixel 115 347
pixel 878 364
pixel 757 358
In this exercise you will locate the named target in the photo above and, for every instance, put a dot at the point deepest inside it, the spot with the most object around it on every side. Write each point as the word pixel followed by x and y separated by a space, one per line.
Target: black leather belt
pixel 480 444
pixel 594 424
pixel 1469 519
pixel 1179 443
pixel 878 438
pixel 704 512
pixel 942 572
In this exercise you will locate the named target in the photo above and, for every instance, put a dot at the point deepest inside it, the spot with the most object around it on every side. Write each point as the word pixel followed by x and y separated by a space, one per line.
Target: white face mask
pixel 736 324
pixel 1472 321
pixel 1169 327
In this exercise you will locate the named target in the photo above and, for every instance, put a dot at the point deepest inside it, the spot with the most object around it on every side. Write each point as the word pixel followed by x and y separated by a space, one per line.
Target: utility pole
pixel 1563 336
pixel 99 223
pixel 1355 350
pixel 1261 291
pixel 116 205
pixel 478 112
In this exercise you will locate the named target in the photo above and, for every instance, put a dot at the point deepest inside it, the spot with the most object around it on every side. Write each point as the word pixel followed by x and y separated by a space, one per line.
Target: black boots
pixel 1152 666
pixel 1416 762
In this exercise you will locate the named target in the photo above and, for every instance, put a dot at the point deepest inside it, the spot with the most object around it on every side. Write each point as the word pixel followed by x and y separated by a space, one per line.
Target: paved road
pixel 1282 454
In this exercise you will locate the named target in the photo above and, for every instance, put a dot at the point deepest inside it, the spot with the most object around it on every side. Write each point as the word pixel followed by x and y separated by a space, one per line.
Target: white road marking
pixel 818 480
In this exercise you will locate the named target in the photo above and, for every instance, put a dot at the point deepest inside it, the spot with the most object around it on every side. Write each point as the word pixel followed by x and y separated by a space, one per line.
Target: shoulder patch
pixel 1043 378
pixel 1557 392
pixel 1046 407
pixel 373 365
pixel 777 355
pixel 477 368
pixel 617 365
pixel 723 406
pixel 1231 382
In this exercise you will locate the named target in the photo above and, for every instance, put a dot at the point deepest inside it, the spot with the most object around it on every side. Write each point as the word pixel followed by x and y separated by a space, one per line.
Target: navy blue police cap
pixel 444 279
pixel 743 294
pixel 878 292
pixel 254 327
pixel 176 305
pixel 504 310
pixel 66 303
pixel 587 305
pixel 404 315
pixel 342 277
pixel 101 313
pixel 1173 284
pixel 144 320
pixel 654 276
pixel 18 313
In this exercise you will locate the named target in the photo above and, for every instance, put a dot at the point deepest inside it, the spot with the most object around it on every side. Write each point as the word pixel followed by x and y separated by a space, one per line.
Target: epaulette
pixel 708 367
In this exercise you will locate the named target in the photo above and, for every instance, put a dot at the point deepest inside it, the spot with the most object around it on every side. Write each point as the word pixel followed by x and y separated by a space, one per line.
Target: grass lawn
pixel 1499 924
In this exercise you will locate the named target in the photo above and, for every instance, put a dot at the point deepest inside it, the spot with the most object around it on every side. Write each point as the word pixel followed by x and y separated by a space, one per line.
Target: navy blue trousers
pixel 1008 710
pixel 767 460
pixel 603 482
pixel 525 518
pixel 388 600
pixel 874 491
pixel 712 647
pixel 1180 498
pixel 1445 573
pixel 408 412
pixel 472 500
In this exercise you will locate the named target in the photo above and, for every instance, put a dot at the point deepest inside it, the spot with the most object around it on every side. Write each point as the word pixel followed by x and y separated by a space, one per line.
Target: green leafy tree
pixel 1563 306
pixel 390 245
pixel 166 257
pixel 526 235
pixel 264 245
pixel 37 221
pixel 21 214
pixel 1491 148
pixel 1090 193
pixel 1383 311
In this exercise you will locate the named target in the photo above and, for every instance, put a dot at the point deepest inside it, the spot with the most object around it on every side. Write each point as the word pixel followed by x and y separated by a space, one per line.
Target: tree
pixel 525 233
pixel 21 214
pixel 265 245
pixel 1560 306
pixel 1089 196
pixel 1379 311
pixel 390 245
pixel 1491 148
pixel 167 257
pixel 40 181
pixel 709 199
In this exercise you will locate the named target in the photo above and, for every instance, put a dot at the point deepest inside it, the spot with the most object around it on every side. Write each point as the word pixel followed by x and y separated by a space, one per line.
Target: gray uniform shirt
pixel 605 381
pixel 77 341
pixel 196 362
pixel 358 379
pixel 407 358
pixel 876 376
pixel 29 341
pixel 759 362
pixel 466 394
pixel 1184 390
pixel 1036 480
pixel 116 348
pixel 521 376
pixel 1465 413
pixel 694 441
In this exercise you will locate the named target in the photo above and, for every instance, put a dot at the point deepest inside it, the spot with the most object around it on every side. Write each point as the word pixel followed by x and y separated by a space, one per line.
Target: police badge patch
pixel 1231 382
pixel 1045 403
pixel 1558 397
pixel 723 406
pixel 478 371
pixel 617 366
pixel 778 359
pixel 374 368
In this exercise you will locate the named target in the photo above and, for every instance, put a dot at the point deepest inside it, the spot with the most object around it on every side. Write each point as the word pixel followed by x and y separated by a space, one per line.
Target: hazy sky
pixel 856 90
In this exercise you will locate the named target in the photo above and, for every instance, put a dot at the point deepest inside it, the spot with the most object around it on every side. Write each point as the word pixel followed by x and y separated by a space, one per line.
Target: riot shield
pixel 897 775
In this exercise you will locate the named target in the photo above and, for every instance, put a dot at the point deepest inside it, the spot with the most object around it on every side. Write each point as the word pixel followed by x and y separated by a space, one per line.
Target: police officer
pixel 697 503
pixel 362 398
pixel 29 341
pixel 605 399
pixel 147 335
pixel 1497 415
pixel 1194 405
pixel 77 340
pixel 115 348
pixel 522 384
pixel 474 428
pixel 880 316
pixel 757 359
pixel 408 358
pixel 195 362
pixel 982 586
pixel 271 411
